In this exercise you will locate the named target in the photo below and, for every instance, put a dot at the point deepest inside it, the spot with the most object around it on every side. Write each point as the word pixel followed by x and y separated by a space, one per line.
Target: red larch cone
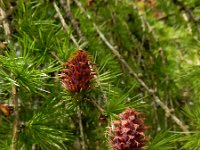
pixel 127 133
pixel 78 72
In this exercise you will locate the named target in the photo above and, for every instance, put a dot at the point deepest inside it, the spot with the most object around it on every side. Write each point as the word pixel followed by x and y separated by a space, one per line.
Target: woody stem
pixel 16 118
pixel 83 145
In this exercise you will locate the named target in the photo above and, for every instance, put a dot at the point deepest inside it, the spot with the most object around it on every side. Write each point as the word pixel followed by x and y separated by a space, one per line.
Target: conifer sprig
pixel 132 73
pixel 146 56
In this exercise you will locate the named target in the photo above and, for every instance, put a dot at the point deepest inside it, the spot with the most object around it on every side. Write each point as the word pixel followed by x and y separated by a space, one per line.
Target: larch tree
pixel 99 75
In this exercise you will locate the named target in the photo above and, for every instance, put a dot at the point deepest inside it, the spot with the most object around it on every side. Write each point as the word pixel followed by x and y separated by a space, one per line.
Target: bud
pixel 6 110
pixel 127 133
pixel 78 72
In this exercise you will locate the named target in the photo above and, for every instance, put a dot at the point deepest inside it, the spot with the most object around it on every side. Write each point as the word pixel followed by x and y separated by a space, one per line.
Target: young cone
pixel 127 133
pixel 78 72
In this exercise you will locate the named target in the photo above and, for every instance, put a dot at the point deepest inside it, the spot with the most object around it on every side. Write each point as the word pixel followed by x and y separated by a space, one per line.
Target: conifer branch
pixel 56 57
pixel 134 74
pixel 146 24
pixel 5 24
pixel 143 84
pixel 64 24
pixel 93 101
pixel 165 17
pixel 74 22
pixel 16 118
pixel 15 133
pixel 83 145
pixel 9 12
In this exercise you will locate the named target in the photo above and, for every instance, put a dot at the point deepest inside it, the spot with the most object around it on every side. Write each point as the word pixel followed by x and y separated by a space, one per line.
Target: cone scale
pixel 127 133
pixel 77 74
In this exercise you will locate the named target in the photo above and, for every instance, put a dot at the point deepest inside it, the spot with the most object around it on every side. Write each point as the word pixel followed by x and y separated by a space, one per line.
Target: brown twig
pixel 16 118
pixel 5 24
pixel 65 26
pixel 81 129
pixel 145 24
pixel 8 13
pixel 56 57
pixel 15 133
pixel 74 22
pixel 93 101
pixel 143 84
pixel 133 74
pixel 166 17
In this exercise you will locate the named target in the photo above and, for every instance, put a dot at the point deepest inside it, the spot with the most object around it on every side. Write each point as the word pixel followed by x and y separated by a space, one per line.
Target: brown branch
pixel 146 24
pixel 16 119
pixel 143 84
pixel 65 26
pixel 5 24
pixel 74 22
pixel 8 13
pixel 56 57
pixel 166 17
pixel 81 129
pixel 93 101
pixel 15 133
pixel 101 88
pixel 133 74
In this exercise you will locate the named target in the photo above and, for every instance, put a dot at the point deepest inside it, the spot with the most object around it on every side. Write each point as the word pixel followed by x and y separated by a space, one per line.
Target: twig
pixel 98 83
pixel 16 118
pixel 56 57
pixel 165 17
pixel 92 100
pixel 101 88
pixel 146 24
pixel 65 26
pixel 82 9
pixel 15 133
pixel 149 90
pixel 73 20
pixel 81 129
pixel 5 24
pixel 8 13
pixel 133 74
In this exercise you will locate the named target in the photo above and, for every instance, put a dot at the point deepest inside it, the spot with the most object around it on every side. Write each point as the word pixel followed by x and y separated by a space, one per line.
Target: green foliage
pixel 6 130
pixel 158 39
pixel 164 140
pixel 44 130
pixel 191 141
